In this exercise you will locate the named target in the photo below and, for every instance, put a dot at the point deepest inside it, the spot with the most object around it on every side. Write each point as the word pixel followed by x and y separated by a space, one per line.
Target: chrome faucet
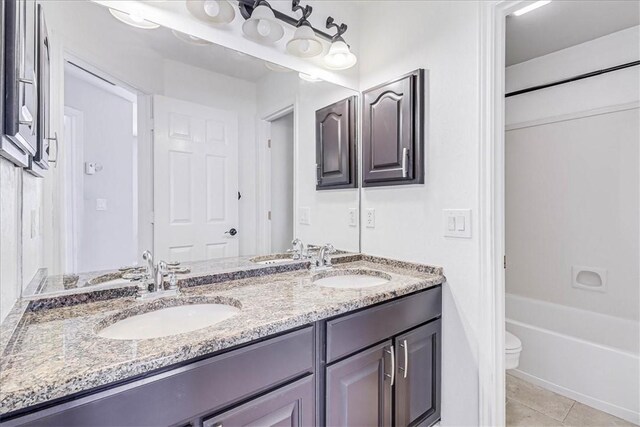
pixel 323 260
pixel 154 280
pixel 298 250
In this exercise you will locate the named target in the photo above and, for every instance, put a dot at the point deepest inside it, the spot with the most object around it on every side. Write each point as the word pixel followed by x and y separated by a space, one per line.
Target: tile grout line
pixel 567 414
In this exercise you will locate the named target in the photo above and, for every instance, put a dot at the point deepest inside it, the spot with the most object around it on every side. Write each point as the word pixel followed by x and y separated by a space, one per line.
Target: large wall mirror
pixel 176 145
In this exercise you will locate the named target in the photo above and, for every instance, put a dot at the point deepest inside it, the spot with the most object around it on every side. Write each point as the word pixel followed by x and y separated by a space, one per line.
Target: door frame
pixel 264 175
pixel 73 197
pixel 491 210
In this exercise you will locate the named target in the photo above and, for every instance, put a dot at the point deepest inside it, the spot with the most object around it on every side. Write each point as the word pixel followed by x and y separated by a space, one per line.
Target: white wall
pixel 107 239
pixel 443 39
pixel 10 229
pixel 572 180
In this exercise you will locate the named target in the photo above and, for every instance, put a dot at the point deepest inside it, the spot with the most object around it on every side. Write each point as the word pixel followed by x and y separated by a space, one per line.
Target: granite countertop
pixel 55 352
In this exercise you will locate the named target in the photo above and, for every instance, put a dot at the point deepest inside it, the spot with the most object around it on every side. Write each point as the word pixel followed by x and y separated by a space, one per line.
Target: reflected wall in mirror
pixel 173 144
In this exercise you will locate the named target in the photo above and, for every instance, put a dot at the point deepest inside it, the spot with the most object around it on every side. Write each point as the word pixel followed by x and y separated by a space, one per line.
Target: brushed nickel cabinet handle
pixel 393 365
pixel 405 370
pixel 405 154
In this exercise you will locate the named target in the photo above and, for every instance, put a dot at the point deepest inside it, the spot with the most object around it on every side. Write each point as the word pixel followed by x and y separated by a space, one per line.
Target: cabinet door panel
pixel 358 390
pixel 335 145
pixel 417 392
pixel 290 406
pixel 392 132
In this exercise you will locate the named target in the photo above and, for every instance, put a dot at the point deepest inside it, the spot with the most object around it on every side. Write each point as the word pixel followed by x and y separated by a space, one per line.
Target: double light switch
pixel 457 223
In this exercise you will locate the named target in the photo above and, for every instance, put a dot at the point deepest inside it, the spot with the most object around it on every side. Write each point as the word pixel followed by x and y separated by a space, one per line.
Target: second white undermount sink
pixel 168 321
pixel 351 279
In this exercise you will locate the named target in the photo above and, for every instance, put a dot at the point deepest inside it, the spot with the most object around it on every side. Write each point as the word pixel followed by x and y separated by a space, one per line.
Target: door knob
pixel 231 231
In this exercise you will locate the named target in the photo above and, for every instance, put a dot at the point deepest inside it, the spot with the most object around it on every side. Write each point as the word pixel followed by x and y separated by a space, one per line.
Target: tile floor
pixel 531 406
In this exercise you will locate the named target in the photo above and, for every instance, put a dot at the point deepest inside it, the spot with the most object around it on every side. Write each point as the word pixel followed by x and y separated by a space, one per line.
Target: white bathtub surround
pixel 589 357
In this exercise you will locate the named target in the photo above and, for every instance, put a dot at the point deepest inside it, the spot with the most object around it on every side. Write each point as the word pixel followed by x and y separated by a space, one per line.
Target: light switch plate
pixel 101 204
pixel 304 216
pixel 370 218
pixel 457 223
pixel 353 217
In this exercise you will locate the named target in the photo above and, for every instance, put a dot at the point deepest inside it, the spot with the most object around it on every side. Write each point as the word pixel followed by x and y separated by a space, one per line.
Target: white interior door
pixel 195 181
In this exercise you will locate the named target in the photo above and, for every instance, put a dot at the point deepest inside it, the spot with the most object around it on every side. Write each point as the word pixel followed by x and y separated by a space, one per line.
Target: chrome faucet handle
pixel 148 258
pixel 161 270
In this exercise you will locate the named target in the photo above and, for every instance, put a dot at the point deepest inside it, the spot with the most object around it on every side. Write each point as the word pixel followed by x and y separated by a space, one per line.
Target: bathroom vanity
pixel 297 353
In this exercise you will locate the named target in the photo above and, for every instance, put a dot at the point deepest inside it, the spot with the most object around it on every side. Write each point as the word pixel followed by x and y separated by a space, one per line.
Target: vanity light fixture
pixel 530 7
pixel 339 56
pixel 309 78
pixel 212 11
pixel 262 25
pixel 133 19
pixel 304 43
pixel 188 38
pixel 276 67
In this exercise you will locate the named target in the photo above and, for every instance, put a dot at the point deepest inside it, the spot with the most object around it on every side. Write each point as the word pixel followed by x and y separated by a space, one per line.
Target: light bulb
pixel 264 27
pixel 304 46
pixel 211 8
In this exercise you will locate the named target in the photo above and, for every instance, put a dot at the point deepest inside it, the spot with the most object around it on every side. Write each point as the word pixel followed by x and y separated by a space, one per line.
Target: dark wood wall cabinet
pixel 25 85
pixel 378 366
pixel 393 132
pixel 336 145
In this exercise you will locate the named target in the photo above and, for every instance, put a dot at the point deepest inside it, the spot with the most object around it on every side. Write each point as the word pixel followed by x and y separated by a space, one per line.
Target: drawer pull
pixel 405 370
pixel 393 366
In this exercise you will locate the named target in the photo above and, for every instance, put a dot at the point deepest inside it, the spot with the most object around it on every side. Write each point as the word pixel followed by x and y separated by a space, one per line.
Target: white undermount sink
pixel 351 279
pixel 168 321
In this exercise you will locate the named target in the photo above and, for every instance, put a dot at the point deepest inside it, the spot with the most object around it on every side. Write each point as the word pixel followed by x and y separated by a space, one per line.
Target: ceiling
pixel 165 44
pixel 564 23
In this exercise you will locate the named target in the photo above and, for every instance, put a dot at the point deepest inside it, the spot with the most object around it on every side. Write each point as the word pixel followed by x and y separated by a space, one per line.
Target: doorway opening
pixel 571 135
pixel 99 169
pixel 281 183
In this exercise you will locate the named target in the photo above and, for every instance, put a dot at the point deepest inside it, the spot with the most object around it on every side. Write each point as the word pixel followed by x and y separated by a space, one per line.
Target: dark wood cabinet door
pixel 392 146
pixel 335 145
pixel 417 390
pixel 40 160
pixel 290 406
pixel 358 389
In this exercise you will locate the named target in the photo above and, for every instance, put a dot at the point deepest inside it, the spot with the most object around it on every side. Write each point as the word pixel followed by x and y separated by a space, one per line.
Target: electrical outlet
pixel 371 218
pixel 353 217
pixel 304 216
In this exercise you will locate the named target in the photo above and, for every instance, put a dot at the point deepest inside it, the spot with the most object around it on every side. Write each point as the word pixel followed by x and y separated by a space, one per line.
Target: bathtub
pixel 586 356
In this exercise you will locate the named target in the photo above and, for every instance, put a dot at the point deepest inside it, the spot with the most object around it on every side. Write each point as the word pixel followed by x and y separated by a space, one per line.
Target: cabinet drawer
pixel 291 406
pixel 184 393
pixel 352 332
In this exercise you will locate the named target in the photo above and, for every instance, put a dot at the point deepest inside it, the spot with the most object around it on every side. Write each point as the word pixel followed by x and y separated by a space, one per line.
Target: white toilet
pixel 512 349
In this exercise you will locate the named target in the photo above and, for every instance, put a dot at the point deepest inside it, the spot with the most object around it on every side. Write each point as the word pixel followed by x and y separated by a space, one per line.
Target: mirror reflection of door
pixel 281 183
pixel 195 181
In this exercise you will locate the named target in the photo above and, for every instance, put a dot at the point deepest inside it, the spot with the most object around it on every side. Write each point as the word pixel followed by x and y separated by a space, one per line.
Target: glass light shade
pixel 263 25
pixel 309 78
pixel 304 43
pixel 212 11
pixel 339 56
pixel 276 67
pixel 133 20
pixel 187 38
